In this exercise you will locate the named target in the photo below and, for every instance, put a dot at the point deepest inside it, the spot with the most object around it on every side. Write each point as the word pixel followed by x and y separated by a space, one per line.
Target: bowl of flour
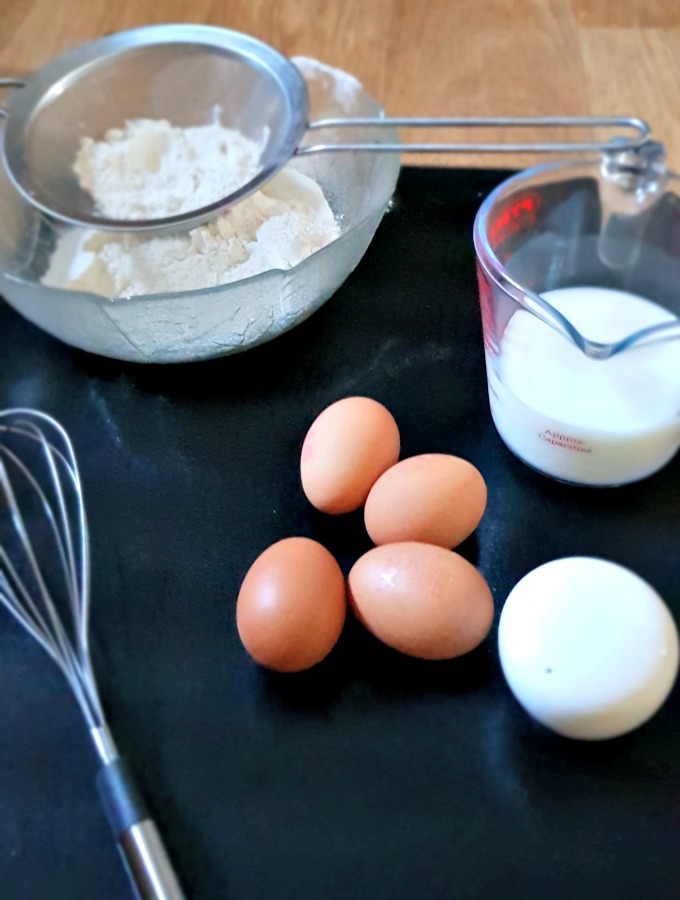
pixel 242 279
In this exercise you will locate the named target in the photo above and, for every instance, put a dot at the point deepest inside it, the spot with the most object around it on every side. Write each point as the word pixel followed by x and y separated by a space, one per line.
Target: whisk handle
pixel 140 844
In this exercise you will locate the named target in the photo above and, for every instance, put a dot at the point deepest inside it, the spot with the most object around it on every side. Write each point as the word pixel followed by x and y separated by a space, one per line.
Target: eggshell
pixel 349 445
pixel 422 600
pixel 291 606
pixel 588 647
pixel 433 498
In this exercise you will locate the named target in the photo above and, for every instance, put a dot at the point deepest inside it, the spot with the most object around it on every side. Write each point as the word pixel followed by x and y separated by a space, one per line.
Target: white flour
pixel 151 169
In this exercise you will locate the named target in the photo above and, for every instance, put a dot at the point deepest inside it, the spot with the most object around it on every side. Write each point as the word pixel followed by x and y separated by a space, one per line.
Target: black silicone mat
pixel 372 776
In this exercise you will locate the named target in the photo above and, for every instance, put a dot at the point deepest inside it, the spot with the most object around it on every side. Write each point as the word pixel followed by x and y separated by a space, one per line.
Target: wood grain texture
pixel 424 57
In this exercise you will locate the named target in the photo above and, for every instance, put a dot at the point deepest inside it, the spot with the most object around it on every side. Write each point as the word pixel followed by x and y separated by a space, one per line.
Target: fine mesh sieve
pixel 183 73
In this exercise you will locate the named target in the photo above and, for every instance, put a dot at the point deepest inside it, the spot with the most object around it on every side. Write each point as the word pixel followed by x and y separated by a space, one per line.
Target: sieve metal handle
pixel 9 83
pixel 641 129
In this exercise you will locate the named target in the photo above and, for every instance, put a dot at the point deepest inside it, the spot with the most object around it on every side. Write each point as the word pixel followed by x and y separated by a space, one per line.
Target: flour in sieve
pixel 152 169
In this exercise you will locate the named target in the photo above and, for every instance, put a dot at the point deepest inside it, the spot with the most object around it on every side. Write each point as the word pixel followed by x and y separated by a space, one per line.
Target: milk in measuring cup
pixel 596 422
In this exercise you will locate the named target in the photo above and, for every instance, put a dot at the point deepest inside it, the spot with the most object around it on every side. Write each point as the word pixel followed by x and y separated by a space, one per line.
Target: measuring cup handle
pixel 6 83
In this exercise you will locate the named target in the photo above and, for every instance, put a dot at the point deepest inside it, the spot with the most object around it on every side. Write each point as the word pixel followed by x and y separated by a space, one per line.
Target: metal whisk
pixel 45 585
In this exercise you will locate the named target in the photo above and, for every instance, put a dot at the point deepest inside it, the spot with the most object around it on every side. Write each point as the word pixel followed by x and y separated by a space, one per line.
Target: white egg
pixel 587 647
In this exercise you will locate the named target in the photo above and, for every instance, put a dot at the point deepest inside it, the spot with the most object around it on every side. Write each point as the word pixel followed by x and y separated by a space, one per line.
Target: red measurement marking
pixel 515 217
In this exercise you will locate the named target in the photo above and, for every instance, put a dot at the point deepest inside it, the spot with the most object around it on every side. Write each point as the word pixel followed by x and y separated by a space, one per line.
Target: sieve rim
pixel 25 103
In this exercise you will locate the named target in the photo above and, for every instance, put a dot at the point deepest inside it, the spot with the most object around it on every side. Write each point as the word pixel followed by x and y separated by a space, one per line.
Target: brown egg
pixel 291 606
pixel 433 498
pixel 349 445
pixel 421 600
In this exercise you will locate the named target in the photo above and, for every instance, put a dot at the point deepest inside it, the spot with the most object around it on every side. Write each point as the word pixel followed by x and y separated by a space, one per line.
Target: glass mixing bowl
pixel 216 321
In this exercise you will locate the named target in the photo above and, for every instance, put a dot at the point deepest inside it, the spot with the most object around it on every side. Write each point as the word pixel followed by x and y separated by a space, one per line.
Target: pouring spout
pixel 552 317
pixel 595 350
pixel 598 350
pixel 646 337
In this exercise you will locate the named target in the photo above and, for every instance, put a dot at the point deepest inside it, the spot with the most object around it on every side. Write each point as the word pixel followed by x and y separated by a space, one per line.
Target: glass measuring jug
pixel 579 278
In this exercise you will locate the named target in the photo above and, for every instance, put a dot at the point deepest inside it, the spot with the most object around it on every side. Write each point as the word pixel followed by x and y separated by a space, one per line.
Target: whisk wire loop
pixel 29 598
pixel 50 576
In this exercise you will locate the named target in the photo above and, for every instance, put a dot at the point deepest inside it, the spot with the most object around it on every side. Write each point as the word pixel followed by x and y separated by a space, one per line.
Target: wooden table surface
pixel 423 57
